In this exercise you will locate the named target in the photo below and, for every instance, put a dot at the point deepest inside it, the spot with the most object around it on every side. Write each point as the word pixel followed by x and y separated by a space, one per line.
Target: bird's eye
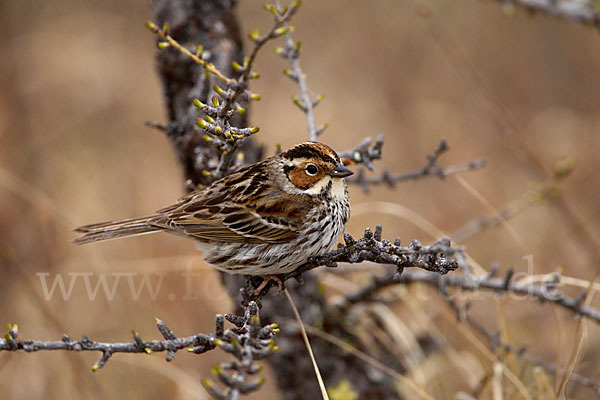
pixel 311 169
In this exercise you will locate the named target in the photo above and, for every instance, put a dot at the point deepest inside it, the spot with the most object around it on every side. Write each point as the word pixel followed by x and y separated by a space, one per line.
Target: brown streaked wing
pixel 228 222
pixel 180 202
pixel 234 210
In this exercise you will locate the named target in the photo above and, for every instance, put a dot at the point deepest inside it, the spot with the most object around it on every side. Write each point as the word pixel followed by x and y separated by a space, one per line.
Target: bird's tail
pixel 115 229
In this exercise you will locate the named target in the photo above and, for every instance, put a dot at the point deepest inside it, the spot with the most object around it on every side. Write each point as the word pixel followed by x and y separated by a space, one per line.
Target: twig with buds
pixel 291 52
pixel 231 99
pixel 171 344
pixel 247 341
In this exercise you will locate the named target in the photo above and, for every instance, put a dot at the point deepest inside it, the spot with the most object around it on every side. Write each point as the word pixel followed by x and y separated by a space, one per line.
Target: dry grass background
pixel 77 82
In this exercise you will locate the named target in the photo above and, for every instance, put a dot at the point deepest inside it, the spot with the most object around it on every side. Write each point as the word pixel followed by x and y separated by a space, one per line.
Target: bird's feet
pixel 265 282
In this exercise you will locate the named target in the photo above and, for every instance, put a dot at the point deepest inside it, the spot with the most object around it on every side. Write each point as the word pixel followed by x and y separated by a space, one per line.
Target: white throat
pixel 338 188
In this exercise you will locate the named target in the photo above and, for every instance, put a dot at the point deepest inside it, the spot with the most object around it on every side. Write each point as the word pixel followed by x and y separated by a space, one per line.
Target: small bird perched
pixel 265 219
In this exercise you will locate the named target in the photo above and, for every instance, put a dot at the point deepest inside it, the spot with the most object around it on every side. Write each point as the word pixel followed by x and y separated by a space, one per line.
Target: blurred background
pixel 77 83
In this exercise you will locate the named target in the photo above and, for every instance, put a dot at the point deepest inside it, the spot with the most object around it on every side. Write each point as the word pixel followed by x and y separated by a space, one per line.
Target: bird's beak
pixel 340 172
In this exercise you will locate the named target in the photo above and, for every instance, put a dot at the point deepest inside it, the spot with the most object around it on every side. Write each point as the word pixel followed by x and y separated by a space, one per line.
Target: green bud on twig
pixel 253 35
pixel 281 31
pixel 297 102
pixel 201 123
pixel 271 8
pixel 218 89
pixel 198 104
pixel 236 66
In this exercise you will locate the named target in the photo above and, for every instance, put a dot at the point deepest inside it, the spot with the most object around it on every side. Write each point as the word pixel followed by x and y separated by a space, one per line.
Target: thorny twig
pixel 543 292
pixel 430 169
pixel 437 257
pixel 247 341
pixel 171 344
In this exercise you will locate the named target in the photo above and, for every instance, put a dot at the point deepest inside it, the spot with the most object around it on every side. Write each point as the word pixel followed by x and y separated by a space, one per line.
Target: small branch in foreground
pixel 430 169
pixel 247 341
pixel 171 344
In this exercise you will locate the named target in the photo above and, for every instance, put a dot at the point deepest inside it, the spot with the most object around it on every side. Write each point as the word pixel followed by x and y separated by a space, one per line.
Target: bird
pixel 265 219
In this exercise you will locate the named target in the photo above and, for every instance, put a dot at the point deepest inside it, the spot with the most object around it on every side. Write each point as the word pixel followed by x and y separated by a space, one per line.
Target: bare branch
pixel 364 153
pixel 247 341
pixel 543 292
pixel 171 344
pixel 431 169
